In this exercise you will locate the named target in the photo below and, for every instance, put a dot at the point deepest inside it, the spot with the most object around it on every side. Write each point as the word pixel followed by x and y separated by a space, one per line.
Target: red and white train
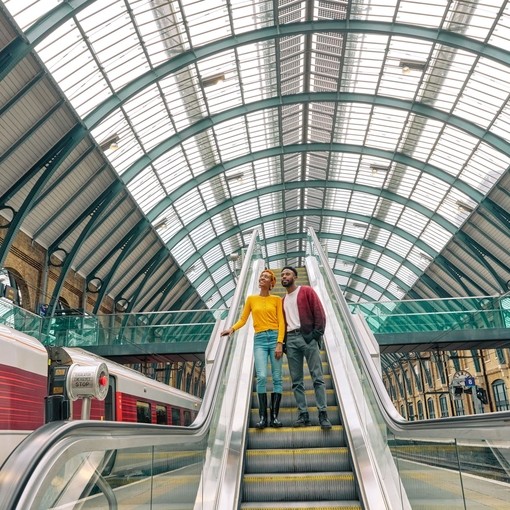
pixel 26 371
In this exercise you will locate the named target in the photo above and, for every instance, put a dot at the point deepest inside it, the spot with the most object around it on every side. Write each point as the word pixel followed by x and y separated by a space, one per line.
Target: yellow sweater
pixel 267 313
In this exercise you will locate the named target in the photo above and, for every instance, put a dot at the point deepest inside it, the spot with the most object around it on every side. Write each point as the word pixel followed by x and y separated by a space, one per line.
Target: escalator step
pixel 289 415
pixel 305 505
pixel 299 486
pixel 288 437
pixel 292 460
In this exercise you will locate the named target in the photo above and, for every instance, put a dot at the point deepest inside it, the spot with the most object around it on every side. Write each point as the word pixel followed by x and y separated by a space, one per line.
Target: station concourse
pixel 147 144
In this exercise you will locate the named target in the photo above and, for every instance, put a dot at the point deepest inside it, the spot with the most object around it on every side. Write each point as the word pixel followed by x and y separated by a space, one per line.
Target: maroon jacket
pixel 311 314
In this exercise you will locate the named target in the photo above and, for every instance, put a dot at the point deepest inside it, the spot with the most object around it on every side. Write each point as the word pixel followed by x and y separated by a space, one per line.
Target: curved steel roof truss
pixel 275 145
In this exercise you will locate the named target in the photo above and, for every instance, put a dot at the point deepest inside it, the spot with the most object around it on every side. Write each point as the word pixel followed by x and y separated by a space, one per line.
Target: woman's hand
pixel 278 352
pixel 227 332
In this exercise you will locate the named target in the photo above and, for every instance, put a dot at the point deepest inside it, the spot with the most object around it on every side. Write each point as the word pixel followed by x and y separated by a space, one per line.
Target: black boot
pixel 275 409
pixel 262 424
pixel 303 420
pixel 323 420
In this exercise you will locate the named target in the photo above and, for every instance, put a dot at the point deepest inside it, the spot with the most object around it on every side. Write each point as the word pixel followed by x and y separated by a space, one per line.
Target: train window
pixel 187 418
pixel 143 412
pixel 176 416
pixel 161 415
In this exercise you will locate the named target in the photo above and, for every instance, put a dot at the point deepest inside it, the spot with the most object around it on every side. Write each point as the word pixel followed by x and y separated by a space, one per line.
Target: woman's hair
pixel 273 276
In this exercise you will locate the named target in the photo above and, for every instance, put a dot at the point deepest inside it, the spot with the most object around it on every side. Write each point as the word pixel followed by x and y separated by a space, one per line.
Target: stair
pixel 298 468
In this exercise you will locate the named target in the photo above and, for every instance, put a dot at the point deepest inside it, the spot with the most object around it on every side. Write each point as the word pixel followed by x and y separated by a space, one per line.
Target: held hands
pixel 227 332
pixel 278 352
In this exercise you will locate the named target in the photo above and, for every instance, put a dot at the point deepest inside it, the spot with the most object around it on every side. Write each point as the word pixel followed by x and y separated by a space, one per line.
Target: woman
pixel 269 325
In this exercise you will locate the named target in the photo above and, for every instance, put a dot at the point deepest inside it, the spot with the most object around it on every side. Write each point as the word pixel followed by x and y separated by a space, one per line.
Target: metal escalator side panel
pixel 222 474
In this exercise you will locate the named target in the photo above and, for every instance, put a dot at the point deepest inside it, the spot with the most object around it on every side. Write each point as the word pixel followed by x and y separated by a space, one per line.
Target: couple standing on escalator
pixel 298 321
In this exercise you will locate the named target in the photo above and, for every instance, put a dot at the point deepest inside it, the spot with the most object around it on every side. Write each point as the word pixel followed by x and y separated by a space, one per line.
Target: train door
pixel 109 401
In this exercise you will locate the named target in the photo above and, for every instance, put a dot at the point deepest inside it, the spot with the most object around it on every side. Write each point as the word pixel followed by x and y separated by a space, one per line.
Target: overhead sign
pixel 469 381
pixel 462 382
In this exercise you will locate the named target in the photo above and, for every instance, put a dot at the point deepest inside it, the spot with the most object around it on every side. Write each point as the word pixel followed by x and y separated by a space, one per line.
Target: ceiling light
pixel 463 207
pixel 360 225
pixel 213 80
pixel 162 224
pixel 110 143
pixel 412 65
pixel 426 258
pixel 234 177
pixel 379 168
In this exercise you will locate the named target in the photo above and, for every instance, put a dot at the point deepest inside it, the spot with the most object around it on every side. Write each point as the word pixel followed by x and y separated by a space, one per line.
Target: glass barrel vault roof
pixel 383 125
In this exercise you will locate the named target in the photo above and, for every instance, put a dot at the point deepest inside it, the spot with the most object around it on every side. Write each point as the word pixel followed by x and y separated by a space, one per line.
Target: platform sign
pixel 469 381
pixel 462 382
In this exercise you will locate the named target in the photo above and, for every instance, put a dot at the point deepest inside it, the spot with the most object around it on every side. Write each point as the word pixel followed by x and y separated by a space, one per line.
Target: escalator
pixel 223 463
pixel 285 467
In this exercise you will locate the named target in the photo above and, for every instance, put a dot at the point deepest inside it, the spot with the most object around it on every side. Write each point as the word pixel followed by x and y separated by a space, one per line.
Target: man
pixel 305 323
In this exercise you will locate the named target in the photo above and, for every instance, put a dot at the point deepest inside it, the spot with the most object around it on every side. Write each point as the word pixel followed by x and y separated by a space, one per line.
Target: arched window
pixel 459 407
pixel 390 389
pixel 500 354
pixel 500 395
pixel 420 410
pixel 402 411
pixel 13 287
pixel 431 407
pixel 408 383
pixel 443 405
pixel 410 408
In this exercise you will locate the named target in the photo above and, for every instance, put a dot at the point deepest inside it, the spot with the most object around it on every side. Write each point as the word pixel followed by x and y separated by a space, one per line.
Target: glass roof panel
pixel 435 162
pixel 28 12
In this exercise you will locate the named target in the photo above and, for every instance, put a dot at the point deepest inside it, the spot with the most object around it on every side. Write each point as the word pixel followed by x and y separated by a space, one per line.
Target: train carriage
pixel 23 387
pixel 131 397
pixel 25 379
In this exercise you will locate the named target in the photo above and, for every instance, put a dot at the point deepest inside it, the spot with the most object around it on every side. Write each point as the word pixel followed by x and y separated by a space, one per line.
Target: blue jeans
pixel 297 351
pixel 264 346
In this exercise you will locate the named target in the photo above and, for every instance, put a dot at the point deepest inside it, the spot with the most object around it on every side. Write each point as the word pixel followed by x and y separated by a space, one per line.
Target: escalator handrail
pixel 493 426
pixel 52 438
